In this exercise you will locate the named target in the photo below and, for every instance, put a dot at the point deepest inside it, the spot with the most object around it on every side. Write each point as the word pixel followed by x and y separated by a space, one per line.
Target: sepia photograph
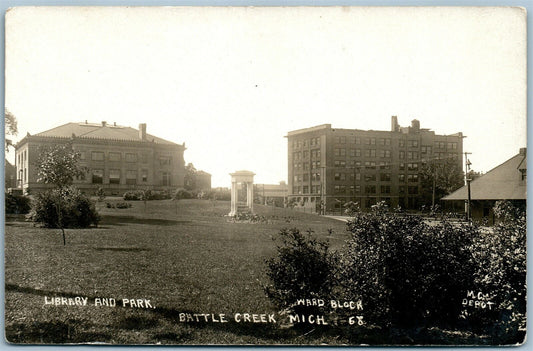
pixel 304 176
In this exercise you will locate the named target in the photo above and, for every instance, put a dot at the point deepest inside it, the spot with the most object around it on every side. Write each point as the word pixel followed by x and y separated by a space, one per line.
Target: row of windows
pixel 305 177
pixel 355 189
pixel 315 153
pixel 305 165
pixel 371 153
pixel 128 157
pixel 115 175
pixel 305 142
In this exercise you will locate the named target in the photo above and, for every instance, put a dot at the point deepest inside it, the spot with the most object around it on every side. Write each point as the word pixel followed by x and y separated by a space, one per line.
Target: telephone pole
pixel 467 182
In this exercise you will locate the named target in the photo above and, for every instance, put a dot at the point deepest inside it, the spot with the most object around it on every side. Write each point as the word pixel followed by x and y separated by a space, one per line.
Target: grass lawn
pixel 185 257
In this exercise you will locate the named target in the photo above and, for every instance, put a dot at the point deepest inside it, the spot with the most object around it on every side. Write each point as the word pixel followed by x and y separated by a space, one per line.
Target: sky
pixel 231 82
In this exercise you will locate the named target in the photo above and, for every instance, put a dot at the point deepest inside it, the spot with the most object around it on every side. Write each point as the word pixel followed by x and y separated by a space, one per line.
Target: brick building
pixel 332 166
pixel 117 158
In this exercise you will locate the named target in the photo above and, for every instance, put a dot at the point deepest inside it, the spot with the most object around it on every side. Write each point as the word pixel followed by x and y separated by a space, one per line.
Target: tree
pixel 190 177
pixel 10 127
pixel 58 165
pixel 438 180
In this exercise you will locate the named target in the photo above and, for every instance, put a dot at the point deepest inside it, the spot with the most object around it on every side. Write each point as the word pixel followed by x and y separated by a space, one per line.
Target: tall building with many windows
pixel 116 158
pixel 329 167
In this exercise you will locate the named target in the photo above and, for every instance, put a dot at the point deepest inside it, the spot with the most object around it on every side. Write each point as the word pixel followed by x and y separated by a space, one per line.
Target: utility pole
pixel 467 181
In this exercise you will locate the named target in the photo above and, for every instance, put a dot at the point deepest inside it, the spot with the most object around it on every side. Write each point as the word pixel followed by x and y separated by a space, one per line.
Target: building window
pixel 412 155
pixel 370 177
pixel 401 178
pixel 340 163
pixel 98 176
pixel 340 152
pixel 452 146
pixel 144 175
pixel 340 140
pixel 413 178
pixel 82 155
pixel 370 153
pixel 402 155
pixel 370 164
pixel 131 157
pixel 413 143
pixel 384 153
pixel 97 156
pixel 316 176
pixel 385 177
pixel 425 149
pixel 440 145
pixel 114 156
pixel 114 176
pixel 385 189
pixel 306 189
pixel 131 177
pixel 357 140
pixel 340 176
pixel 402 166
pixel 370 189
pixel 384 141
pixel 306 166
pixel 412 166
pixel 144 158
pixel 165 178
pixel 384 165
pixel 402 143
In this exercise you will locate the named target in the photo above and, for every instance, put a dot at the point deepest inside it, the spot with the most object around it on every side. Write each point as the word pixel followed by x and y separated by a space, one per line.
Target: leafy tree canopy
pixel 58 165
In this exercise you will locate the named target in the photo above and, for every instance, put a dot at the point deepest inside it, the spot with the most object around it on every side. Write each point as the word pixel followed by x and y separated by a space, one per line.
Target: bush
pixel 405 271
pixel 500 259
pixel 182 194
pixel 303 269
pixel 76 209
pixel 17 204
pixel 100 193
pixel 122 205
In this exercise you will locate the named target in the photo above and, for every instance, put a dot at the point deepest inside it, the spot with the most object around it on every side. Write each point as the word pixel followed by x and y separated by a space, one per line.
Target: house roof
pixel 100 131
pixel 503 182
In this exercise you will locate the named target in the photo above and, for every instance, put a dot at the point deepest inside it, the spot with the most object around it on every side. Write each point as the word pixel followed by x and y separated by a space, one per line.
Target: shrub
pixel 122 205
pixel 500 257
pixel 405 271
pixel 303 268
pixel 182 194
pixel 75 209
pixel 100 193
pixel 132 195
pixel 17 204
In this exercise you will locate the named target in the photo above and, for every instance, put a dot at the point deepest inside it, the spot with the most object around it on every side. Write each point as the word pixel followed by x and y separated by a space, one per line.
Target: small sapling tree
pixel 58 165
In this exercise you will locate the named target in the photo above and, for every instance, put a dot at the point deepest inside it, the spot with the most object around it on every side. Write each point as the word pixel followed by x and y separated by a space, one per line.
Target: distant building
pixel 331 166
pixel 507 181
pixel 117 158
pixel 275 194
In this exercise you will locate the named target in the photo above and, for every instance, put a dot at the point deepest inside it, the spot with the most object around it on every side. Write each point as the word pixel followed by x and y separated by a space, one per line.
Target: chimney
pixel 142 131
pixel 104 123
pixel 523 151
pixel 394 124
pixel 114 124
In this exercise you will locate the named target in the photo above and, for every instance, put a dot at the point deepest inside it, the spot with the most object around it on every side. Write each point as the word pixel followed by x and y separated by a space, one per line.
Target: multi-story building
pixel 329 166
pixel 116 158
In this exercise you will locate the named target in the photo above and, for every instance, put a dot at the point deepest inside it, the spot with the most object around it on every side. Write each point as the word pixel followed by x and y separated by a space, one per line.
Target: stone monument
pixel 244 178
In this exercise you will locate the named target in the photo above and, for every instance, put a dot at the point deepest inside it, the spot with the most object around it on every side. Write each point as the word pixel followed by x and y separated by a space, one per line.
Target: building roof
pixel 100 131
pixel 501 183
